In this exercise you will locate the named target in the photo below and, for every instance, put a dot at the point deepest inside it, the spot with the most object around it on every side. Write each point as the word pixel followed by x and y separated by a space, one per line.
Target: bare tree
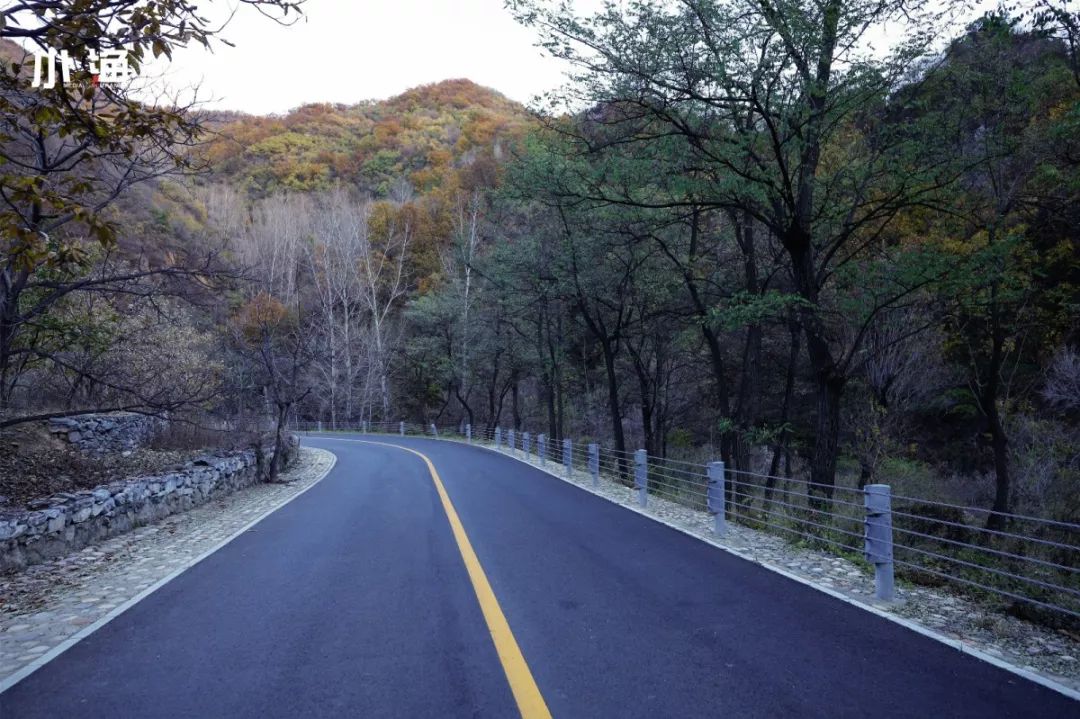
pixel 1062 388
pixel 383 286
pixel 903 368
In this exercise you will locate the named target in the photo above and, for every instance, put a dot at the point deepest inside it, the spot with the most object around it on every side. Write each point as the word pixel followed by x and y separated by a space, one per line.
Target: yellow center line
pixel 527 695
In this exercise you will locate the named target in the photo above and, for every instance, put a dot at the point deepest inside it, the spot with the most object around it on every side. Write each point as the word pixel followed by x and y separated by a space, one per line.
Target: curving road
pixel 362 599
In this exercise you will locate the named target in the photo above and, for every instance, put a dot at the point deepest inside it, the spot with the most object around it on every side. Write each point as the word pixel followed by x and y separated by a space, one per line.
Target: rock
pixel 11 528
pixel 56 523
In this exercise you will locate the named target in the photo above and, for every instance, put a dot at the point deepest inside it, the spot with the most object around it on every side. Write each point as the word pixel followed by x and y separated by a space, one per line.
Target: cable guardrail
pixel 981 510
pixel 1031 564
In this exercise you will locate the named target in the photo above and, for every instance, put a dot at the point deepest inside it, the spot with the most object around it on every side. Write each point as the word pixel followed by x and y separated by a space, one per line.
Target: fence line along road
pixel 1032 564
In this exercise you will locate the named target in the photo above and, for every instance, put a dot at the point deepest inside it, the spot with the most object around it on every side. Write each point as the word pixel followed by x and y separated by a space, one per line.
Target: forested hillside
pixel 432 139
pixel 733 235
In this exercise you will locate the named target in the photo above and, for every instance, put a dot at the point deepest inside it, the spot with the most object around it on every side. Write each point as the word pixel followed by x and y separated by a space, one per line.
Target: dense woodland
pixel 736 233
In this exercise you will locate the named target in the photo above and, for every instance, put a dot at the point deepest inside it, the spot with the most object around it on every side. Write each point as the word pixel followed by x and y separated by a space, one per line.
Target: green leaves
pixel 744 308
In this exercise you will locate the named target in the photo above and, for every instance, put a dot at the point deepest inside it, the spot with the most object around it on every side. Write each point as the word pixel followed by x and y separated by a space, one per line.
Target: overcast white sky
pixel 352 50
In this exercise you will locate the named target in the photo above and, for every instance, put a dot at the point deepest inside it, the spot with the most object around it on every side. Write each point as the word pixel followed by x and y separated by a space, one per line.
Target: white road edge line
pixel 74 639
pixel 913 626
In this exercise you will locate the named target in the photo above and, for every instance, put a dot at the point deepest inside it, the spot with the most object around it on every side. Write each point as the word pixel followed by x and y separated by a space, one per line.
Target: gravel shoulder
pixel 46 604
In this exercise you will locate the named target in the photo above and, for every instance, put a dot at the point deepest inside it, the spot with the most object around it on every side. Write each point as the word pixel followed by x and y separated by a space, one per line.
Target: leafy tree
pixel 778 106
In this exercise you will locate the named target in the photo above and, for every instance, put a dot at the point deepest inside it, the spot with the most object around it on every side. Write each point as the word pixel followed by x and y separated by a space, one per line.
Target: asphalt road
pixel 354 601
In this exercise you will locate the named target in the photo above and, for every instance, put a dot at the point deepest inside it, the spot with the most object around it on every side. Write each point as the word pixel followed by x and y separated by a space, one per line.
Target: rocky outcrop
pixel 60 524
pixel 111 432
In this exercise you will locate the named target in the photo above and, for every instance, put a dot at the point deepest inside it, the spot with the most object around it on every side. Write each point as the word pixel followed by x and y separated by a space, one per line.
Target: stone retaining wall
pixel 70 521
pixel 110 432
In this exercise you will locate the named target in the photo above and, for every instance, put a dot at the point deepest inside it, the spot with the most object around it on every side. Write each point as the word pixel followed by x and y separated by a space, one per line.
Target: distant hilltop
pixel 422 135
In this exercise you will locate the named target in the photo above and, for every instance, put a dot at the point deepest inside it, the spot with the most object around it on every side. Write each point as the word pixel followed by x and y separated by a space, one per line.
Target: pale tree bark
pixel 459 266
pixel 383 286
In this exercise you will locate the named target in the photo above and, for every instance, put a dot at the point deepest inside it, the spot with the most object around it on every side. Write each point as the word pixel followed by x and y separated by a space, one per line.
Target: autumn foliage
pixel 437 138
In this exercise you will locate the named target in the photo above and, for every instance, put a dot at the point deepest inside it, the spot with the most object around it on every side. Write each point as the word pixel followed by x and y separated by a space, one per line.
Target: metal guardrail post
pixel 641 476
pixel 879 537
pixel 568 457
pixel 525 443
pixel 594 463
pixel 468 433
pixel 541 449
pixel 401 428
pixel 498 437
pixel 715 497
pixel 510 442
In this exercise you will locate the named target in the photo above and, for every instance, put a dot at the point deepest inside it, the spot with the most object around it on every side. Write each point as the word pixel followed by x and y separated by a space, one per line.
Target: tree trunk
pixel 515 404
pixel 989 404
pixel 722 399
pixel 826 434
pixel 8 325
pixel 866 472
pixel 1000 444
pixel 279 443
pixel 614 406
pixel 784 443
pixel 647 425
pixel 827 376
pixel 748 407
pixel 463 401
pixel 556 431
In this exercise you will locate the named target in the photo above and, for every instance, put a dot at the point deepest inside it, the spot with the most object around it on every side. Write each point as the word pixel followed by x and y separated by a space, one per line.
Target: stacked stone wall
pixel 57 525
pixel 111 432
